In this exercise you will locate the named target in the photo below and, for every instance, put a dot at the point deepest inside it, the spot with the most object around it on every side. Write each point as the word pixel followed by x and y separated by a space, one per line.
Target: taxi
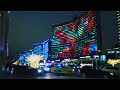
pixel 63 70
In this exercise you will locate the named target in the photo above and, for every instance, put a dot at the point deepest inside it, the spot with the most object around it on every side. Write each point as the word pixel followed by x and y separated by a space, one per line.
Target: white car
pixel 47 69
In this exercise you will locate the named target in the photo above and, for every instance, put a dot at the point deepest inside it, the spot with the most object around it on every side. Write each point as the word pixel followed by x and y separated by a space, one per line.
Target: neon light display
pixel 87 33
pixel 118 21
pixel 78 35
pixel 64 40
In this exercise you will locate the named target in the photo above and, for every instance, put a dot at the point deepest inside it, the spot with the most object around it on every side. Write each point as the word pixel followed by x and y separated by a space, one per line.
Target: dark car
pixel 23 70
pixel 93 72
pixel 76 69
pixel 114 71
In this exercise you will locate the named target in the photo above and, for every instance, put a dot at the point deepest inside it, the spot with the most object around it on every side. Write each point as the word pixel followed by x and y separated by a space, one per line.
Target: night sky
pixel 29 27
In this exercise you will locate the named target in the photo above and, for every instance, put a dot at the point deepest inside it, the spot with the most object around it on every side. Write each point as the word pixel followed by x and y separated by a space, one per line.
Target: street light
pixel 99 58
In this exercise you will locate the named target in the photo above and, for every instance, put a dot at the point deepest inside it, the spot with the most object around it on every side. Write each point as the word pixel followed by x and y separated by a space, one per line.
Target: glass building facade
pixel 89 33
pixel 38 48
pixel 47 49
pixel 81 36
pixel 65 38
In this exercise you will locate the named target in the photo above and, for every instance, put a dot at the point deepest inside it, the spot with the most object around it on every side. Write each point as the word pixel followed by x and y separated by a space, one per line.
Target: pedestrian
pixel 3 68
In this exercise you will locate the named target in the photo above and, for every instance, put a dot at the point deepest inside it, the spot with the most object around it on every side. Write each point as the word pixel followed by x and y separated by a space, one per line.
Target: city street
pixel 44 76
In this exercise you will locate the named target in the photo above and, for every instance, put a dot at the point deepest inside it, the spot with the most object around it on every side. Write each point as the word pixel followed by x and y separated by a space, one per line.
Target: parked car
pixel 93 72
pixel 76 69
pixel 23 70
pixel 63 70
pixel 115 71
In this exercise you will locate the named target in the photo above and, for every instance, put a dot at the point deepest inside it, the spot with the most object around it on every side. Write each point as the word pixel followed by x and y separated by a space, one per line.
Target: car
pixel 76 69
pixel 117 65
pixel 23 70
pixel 93 72
pixel 41 67
pixel 115 71
pixel 63 70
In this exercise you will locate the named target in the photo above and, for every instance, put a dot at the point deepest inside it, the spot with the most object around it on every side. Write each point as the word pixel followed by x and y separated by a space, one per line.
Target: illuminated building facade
pixel 43 48
pixel 65 38
pixel 27 53
pixel 38 48
pixel 78 37
pixel 113 53
pixel 47 49
pixel 118 20
pixel 4 33
pixel 89 33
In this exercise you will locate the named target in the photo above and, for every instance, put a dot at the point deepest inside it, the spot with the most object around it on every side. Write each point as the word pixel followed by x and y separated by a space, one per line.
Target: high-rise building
pixel 64 40
pixel 47 49
pixel 118 20
pixel 43 48
pixel 3 37
pixel 89 33
pixel 81 36
pixel 38 48
pixel 4 33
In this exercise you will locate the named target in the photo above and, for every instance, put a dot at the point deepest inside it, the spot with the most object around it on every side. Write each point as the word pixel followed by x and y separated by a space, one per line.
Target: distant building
pixel 4 33
pixel 38 48
pixel 113 53
pixel 47 49
pixel 43 48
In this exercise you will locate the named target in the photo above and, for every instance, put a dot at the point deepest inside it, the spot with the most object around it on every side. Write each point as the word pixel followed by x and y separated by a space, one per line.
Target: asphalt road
pixel 44 76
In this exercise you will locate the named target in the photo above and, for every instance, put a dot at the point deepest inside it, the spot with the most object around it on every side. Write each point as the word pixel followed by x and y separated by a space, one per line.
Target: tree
pixel 2 60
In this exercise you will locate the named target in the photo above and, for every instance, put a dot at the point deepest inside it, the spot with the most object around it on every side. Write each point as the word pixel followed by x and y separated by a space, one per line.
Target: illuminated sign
pixel 103 57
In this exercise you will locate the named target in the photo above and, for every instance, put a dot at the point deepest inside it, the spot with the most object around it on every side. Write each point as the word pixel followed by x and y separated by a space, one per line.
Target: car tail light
pixel 12 68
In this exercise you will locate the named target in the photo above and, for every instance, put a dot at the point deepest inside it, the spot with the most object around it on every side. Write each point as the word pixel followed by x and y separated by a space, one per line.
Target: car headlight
pixel 73 70
pixel 111 74
pixel 46 69
pixel 39 71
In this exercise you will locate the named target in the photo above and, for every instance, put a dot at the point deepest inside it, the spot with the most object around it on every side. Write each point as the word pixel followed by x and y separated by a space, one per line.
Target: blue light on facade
pixel 38 48
pixel 45 50
pixel 93 47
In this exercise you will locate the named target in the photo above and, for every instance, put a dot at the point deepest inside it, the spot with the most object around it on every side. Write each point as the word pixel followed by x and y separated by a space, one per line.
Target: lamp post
pixel 98 59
